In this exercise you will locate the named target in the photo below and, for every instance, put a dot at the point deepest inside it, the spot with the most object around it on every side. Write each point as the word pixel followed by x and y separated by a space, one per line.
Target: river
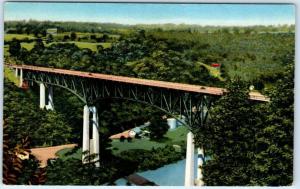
pixel 168 175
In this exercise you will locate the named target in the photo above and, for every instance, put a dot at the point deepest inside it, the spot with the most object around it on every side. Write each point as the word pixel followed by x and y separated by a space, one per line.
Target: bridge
pixel 190 102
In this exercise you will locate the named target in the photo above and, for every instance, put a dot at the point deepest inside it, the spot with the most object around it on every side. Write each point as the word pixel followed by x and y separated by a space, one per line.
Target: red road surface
pixel 122 79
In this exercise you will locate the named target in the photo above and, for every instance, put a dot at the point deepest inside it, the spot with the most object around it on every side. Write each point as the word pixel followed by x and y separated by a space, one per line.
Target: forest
pixel 262 56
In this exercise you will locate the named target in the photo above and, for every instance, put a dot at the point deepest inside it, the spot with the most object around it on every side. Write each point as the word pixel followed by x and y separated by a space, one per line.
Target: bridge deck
pixel 162 84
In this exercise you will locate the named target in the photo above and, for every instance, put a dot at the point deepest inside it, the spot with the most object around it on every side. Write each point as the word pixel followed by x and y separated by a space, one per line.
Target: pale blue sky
pixel 130 13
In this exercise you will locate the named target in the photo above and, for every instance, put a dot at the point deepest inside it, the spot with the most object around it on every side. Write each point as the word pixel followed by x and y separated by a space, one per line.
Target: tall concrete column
pixel 189 165
pixel 16 72
pixel 85 131
pixel 21 78
pixel 96 141
pixel 42 96
pixel 50 105
pixel 200 161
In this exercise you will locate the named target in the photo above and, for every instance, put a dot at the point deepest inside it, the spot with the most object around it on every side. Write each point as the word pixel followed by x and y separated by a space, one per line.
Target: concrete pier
pixel 200 161
pixel 21 78
pixel 42 96
pixel 16 72
pixel 50 105
pixel 86 132
pixel 189 166
pixel 91 145
pixel 96 141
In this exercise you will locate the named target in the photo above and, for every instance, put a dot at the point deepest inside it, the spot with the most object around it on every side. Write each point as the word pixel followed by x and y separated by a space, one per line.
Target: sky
pixel 142 13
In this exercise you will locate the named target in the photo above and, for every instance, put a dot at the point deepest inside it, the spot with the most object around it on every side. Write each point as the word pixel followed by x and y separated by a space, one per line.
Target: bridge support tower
pixel 50 105
pixel 21 78
pixel 90 146
pixel 200 162
pixel 189 165
pixel 16 72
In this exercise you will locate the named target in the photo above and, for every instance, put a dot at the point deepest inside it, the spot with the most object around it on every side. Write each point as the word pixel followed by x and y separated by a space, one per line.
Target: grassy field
pixel 62 154
pixel 27 46
pixel 9 37
pixel 92 46
pixel 215 72
pixel 10 75
pixel 145 144
pixel 177 136
pixel 6 53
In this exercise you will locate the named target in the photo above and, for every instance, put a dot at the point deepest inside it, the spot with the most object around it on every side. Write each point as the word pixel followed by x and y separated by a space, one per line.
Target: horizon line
pixel 158 23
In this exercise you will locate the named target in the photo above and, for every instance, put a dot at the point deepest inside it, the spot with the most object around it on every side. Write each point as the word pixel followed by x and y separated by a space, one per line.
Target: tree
pixel 99 48
pixel 44 33
pixel 66 37
pixel 229 137
pixel 157 128
pixel 14 47
pixel 24 118
pixel 39 45
pixel 73 36
pixel 15 168
pixel 49 38
pixel 36 33
pixel 274 156
pixel 93 36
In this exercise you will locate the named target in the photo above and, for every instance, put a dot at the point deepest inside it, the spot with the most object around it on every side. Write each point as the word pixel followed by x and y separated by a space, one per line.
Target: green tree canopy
pixel 229 138
pixel 14 47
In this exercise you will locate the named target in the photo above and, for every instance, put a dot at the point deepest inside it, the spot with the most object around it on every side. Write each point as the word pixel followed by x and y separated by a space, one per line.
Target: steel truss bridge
pixel 175 99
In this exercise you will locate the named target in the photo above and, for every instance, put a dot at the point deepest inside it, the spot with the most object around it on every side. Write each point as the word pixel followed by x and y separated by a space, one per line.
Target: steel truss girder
pixel 193 106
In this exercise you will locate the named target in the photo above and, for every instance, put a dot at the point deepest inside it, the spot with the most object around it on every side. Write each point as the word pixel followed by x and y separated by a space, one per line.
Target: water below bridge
pixel 168 175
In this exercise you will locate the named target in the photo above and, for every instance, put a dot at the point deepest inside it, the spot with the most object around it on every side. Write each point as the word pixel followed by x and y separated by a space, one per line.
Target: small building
pixel 215 65
pixel 174 123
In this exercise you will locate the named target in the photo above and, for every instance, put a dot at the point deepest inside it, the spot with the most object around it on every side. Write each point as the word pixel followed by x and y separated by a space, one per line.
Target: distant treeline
pixel 33 26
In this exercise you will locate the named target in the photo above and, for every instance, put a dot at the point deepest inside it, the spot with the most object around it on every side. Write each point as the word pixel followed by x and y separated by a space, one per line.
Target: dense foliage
pixel 24 118
pixel 229 138
pixel 250 144
pixel 273 163
pixel 248 56
pixel 153 159
pixel 17 169
pixel 114 167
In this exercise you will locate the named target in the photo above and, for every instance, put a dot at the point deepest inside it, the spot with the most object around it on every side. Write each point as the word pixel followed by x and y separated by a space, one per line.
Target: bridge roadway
pixel 146 82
